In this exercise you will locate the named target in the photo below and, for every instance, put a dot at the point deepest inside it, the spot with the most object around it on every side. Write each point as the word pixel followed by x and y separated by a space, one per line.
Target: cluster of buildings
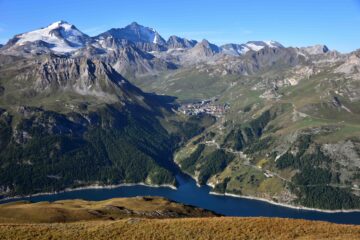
pixel 204 107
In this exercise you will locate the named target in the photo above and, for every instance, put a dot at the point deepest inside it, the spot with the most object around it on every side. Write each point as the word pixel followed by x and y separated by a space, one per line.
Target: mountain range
pixel 136 50
pixel 63 37
pixel 75 111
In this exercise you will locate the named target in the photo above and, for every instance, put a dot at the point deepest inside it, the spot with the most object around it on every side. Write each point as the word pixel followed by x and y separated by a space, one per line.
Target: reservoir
pixel 189 193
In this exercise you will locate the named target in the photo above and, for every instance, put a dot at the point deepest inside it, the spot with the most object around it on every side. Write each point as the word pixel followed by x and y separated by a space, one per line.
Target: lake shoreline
pixel 272 202
pixel 284 204
pixel 90 187
pixel 99 186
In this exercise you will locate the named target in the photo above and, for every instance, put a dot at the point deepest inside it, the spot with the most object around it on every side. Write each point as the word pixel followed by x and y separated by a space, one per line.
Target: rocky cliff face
pixel 125 57
pixel 82 76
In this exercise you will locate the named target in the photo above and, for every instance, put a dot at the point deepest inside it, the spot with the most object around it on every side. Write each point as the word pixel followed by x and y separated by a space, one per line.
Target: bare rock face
pixel 177 42
pixel 125 57
pixel 205 49
pixel 131 61
pixel 83 76
pixel 351 66
pixel 202 52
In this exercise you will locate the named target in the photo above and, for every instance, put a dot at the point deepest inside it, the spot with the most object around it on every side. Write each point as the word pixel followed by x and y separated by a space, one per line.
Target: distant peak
pixel 174 37
pixel 272 43
pixel 205 43
pixel 135 24
pixel 60 23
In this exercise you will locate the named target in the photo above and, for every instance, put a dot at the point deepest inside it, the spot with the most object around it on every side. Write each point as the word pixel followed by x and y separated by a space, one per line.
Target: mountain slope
pixel 76 122
pixel 292 115
pixel 292 131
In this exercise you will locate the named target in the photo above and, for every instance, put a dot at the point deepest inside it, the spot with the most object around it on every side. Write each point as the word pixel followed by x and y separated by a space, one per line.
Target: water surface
pixel 189 193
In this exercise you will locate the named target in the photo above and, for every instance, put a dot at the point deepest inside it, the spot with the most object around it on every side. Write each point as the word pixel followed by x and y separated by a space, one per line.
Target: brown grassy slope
pixel 183 228
pixel 150 218
pixel 112 209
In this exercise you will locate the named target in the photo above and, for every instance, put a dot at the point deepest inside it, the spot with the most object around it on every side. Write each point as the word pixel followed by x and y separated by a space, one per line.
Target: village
pixel 204 107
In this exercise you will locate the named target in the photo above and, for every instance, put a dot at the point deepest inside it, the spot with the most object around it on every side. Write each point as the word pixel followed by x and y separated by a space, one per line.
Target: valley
pixel 256 119
pixel 157 120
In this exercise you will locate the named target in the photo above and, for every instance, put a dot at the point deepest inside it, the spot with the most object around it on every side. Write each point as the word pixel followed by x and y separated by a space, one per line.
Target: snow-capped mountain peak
pixel 60 23
pixel 145 38
pixel 138 33
pixel 60 36
pixel 258 45
pixel 274 44
pixel 241 49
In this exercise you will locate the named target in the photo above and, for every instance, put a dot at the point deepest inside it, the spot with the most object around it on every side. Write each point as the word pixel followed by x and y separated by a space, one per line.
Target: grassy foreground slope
pixel 184 228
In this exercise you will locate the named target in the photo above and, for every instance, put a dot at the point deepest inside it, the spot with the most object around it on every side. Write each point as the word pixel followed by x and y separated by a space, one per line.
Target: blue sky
pixel 293 23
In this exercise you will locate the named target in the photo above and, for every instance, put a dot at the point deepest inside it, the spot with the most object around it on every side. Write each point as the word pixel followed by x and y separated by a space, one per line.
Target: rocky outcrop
pixel 177 42
pixel 350 66
pixel 204 49
pixel 315 50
